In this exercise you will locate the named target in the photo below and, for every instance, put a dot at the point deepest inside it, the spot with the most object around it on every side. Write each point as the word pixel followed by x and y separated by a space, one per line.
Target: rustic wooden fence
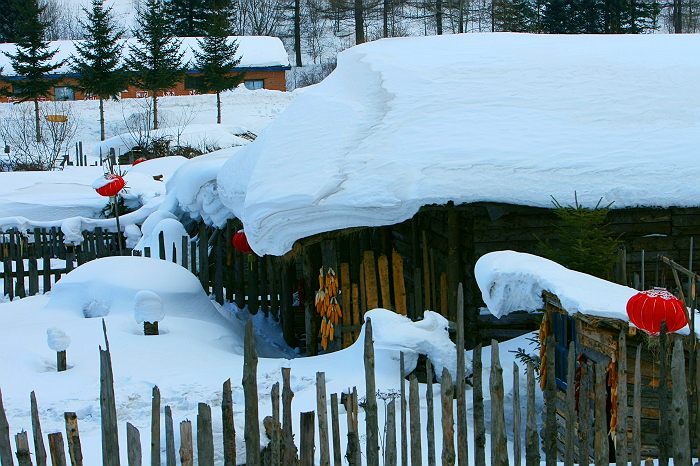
pixel 586 436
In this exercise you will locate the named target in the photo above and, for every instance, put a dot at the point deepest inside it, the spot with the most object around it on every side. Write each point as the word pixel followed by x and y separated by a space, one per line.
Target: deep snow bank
pixel 412 121
pixel 513 281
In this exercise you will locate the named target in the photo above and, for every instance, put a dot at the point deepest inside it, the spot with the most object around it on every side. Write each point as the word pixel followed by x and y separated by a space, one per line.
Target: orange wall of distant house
pixel 273 80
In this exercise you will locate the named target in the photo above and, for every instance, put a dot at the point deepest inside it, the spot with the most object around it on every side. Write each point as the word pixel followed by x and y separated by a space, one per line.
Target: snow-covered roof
pixel 255 52
pixel 512 118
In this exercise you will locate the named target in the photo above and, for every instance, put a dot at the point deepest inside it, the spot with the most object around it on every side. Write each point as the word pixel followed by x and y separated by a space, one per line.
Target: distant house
pixel 264 62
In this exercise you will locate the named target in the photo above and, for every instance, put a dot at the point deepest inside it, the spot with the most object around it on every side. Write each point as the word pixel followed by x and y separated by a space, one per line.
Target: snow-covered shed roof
pixel 512 118
pixel 255 51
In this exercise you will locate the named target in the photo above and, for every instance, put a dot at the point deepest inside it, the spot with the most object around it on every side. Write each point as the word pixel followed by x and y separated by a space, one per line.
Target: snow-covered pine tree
pixel 155 63
pixel 97 62
pixel 217 57
pixel 33 59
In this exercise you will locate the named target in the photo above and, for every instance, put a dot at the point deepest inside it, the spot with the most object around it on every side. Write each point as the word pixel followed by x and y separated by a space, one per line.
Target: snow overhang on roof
pixel 512 118
pixel 257 53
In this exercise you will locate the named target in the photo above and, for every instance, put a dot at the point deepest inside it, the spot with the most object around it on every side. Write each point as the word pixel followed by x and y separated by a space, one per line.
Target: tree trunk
pixel 218 108
pixel 102 119
pixel 37 120
pixel 297 31
pixel 386 17
pixel 359 23
pixel 155 110
pixel 438 17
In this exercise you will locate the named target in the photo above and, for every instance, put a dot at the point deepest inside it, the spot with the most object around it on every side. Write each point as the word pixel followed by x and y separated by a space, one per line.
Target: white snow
pixel 57 339
pixel 172 230
pixel 514 281
pixel 254 51
pixel 148 307
pixel 133 235
pixel 512 118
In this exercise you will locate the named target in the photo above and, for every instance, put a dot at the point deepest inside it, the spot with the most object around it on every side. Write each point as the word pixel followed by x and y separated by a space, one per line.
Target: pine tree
pixel 513 15
pixel 33 58
pixel 8 19
pixel 188 16
pixel 216 58
pixel 156 62
pixel 98 61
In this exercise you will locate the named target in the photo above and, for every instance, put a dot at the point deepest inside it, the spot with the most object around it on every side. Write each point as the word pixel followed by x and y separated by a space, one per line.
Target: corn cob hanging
pixel 327 305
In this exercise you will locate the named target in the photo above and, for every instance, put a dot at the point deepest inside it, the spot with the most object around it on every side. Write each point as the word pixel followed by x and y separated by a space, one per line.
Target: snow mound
pixel 72 229
pixel 513 281
pixel 111 284
pixel 57 339
pixel 148 307
pixel 133 235
pixel 173 232
pixel 407 122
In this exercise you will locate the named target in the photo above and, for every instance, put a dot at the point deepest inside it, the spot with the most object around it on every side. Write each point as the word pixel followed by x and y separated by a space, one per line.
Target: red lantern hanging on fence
pixel 240 243
pixel 647 309
pixel 109 186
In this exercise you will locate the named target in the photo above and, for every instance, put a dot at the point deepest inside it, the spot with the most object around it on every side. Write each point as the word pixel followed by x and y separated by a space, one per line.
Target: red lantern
pixel 138 161
pixel 240 243
pixel 647 309
pixel 109 186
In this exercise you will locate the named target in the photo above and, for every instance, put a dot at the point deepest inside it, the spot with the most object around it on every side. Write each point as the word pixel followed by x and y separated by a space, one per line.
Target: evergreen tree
pixel 188 16
pixel 33 58
pixel 513 15
pixel 216 58
pixel 97 62
pixel 583 241
pixel 156 61
pixel 8 18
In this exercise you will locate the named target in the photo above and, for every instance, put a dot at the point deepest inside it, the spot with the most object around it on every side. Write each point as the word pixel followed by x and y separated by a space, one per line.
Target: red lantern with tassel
pixel 109 186
pixel 240 243
pixel 647 309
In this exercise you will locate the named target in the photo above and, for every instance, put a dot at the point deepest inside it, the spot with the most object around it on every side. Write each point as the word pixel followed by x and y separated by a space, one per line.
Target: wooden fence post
pixel 637 410
pixel 414 409
pixel 499 447
pixel 229 428
pixel 5 445
pixel 462 429
pixel 155 427
pixel 306 427
pixel 186 450
pixel 108 408
pixel 250 393
pixel 275 435
pixel 430 430
pixel 57 449
pixel 390 432
pixel 570 423
pixel 517 454
pixel 205 439
pixel 585 417
pixel 402 407
pixel 352 452
pixel 371 419
pixel 39 448
pixel 448 423
pixel 532 438
pixel 478 400
pixel 621 427
pixel 75 450
pixel 290 449
pixel 550 406
pixel 664 408
pixel 679 404
pixel 170 459
pixel 322 413
pixel 335 423
pixel 24 457
pixel 601 417
pixel 133 445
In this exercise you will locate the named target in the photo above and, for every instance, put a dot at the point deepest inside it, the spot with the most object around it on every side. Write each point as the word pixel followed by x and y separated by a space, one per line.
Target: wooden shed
pixel 598 342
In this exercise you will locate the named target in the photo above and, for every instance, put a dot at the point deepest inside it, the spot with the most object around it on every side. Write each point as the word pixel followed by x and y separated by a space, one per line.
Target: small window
pixel 253 84
pixel 63 93
pixel 193 82
pixel 564 331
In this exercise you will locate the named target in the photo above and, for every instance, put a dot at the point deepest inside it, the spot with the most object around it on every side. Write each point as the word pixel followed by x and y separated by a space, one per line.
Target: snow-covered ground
pixel 200 346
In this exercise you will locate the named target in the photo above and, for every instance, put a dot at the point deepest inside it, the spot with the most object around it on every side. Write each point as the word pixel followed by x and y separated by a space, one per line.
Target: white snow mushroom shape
pixel 59 342
pixel 148 309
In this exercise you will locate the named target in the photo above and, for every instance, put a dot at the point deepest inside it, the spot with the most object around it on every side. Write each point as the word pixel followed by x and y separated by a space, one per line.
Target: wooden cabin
pixel 596 340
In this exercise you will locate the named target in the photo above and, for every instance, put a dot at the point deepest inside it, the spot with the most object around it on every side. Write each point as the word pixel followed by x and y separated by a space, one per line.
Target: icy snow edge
pixel 513 281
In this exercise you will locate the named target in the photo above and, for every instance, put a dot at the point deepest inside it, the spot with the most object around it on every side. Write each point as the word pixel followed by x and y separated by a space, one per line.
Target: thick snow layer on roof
pixel 513 281
pixel 511 118
pixel 255 52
